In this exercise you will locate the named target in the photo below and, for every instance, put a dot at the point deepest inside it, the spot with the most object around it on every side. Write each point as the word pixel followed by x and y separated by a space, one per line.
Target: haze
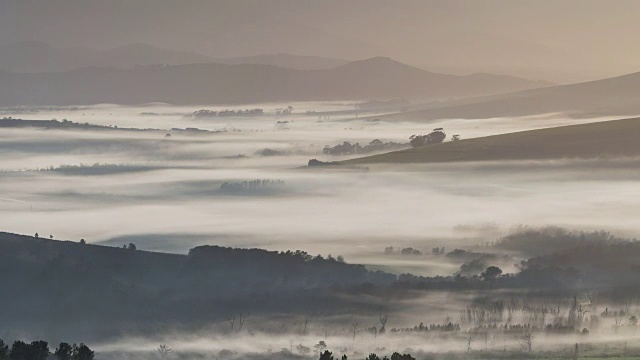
pixel 304 180
pixel 559 41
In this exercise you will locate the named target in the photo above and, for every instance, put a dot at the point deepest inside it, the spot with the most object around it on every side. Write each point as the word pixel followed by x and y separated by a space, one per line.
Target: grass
pixel 614 138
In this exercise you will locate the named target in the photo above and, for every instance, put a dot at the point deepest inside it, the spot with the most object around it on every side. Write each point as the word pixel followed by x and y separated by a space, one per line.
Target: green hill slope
pixel 601 139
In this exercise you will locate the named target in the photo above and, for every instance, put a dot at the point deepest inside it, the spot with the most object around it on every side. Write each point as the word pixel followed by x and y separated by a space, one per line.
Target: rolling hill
pixel 373 78
pixel 61 287
pixel 612 96
pixel 615 138
pixel 290 61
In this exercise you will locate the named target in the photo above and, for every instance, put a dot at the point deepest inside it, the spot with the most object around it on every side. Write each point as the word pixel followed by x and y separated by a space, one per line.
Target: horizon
pixel 537 46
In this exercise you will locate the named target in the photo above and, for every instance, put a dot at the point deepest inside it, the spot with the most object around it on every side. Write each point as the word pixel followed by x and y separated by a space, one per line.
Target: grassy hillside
pixel 601 139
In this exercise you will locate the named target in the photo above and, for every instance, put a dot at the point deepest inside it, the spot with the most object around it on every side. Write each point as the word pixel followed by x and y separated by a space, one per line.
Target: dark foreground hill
pixel 72 285
pixel 617 138
pixel 376 78
pixel 80 291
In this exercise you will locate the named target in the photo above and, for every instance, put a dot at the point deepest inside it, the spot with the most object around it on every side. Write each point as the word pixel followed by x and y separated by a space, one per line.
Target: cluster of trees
pixel 435 137
pixel 9 122
pixel 530 241
pixel 205 113
pixel 328 355
pixel 390 250
pixel 270 152
pixel 448 327
pixel 316 162
pixel 346 148
pixel 39 350
pixel 53 123
pixel 258 185
pixel 285 112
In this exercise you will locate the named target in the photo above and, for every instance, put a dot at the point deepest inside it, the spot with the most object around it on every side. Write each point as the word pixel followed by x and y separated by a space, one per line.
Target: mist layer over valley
pixel 171 179
pixel 319 180
pixel 167 194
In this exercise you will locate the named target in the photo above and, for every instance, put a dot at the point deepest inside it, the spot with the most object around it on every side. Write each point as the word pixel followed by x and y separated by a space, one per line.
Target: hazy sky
pixel 558 40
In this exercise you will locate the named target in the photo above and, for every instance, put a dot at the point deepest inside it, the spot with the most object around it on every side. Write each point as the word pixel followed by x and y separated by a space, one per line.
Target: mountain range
pixel 216 83
pixel 37 56
pixel 617 96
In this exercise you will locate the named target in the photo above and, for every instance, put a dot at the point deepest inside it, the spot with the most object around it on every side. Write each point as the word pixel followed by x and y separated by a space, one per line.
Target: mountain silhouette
pixel 215 83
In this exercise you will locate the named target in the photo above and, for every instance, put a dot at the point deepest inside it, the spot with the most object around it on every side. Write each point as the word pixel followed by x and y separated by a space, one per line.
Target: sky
pixel 562 41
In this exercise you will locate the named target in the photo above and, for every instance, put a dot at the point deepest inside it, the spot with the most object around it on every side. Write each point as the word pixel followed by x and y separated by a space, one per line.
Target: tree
pixel 491 273
pixel 354 330
pixel 320 347
pixel 19 351
pixel 131 246
pixel 383 323
pixel 164 351
pixel 82 352
pixel 398 356
pixel 526 341
pixel 37 350
pixel 4 351
pixel 435 137
pixel 64 351
pixel 373 357
pixel 302 349
pixel 326 355
pixel 237 322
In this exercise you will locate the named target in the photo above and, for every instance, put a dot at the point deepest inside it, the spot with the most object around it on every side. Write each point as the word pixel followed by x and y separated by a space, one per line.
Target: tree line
pixel 328 355
pixel 39 350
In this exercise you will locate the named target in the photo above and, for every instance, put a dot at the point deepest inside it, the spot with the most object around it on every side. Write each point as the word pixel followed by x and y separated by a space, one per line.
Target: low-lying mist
pixel 112 186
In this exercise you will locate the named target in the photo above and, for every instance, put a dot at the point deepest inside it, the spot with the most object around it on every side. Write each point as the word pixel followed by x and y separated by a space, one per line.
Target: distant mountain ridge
pixel 617 96
pixel 213 83
pixel 36 56
pixel 290 61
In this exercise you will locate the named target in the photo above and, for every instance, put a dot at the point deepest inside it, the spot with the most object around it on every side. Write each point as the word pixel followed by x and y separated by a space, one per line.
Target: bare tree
pixel 164 351
pixel 320 347
pixel 526 340
pixel 241 319
pixel 354 330
pixel 383 322
pixel 237 322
